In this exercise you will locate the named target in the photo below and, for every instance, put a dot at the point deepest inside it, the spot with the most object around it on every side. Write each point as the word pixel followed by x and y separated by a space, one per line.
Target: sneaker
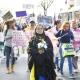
pixel 60 78
pixel 61 73
pixel 76 71
pixel 72 76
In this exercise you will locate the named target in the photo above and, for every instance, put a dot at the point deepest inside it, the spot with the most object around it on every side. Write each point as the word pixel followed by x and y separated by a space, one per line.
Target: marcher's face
pixel 12 25
pixel 67 26
pixel 58 25
pixel 39 30
pixel 32 24
pixel 74 25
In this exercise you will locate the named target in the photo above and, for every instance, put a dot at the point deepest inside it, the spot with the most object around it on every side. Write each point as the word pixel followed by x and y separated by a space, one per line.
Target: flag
pixel 32 77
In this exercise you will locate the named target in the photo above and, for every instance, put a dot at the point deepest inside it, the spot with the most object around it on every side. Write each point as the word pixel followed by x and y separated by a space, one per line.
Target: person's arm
pixel 72 36
pixel 8 37
pixel 58 34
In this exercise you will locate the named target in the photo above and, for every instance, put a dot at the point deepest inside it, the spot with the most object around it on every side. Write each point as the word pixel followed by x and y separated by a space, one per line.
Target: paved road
pixel 21 71
pixel 66 72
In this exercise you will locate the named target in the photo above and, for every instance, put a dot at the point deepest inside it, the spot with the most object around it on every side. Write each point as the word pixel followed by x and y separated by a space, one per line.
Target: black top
pixel 66 36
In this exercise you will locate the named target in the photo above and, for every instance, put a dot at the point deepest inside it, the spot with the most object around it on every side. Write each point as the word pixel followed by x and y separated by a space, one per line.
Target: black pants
pixel 9 56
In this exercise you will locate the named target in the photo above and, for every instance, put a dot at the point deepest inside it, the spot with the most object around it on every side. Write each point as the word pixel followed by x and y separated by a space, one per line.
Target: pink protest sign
pixel 76 41
pixel 19 38
pixel 29 34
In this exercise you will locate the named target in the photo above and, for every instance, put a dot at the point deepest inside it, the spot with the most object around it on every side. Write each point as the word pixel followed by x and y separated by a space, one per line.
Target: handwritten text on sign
pixel 19 38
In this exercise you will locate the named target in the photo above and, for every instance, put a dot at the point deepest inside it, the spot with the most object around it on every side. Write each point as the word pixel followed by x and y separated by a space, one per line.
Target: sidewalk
pixel 20 71
pixel 66 72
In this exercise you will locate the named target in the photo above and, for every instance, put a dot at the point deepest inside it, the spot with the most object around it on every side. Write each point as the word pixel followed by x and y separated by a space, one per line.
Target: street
pixel 21 72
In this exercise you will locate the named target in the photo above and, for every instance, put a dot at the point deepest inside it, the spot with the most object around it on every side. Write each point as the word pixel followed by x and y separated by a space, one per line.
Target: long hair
pixel 36 35
pixel 43 34
pixel 64 24
pixel 8 24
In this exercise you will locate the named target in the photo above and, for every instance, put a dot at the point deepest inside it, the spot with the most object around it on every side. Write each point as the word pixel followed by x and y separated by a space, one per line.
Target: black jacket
pixel 43 63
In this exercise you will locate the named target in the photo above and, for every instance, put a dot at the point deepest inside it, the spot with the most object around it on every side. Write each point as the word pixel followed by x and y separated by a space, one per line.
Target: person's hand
pixel 8 38
pixel 55 38
pixel 59 38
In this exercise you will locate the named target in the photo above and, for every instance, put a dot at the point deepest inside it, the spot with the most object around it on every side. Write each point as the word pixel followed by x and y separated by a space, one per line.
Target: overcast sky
pixel 17 5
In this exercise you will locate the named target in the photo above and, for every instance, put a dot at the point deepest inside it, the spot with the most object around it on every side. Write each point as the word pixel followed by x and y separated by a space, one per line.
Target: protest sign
pixel 21 13
pixel 76 41
pixel 19 38
pixel 7 16
pixel 67 49
pixel 45 20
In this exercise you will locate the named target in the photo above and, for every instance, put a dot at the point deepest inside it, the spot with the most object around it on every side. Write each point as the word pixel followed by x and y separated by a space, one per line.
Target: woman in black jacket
pixel 41 55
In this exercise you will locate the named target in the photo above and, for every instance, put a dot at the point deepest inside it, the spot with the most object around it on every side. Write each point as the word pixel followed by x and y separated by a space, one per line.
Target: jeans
pixel 9 55
pixel 57 62
pixel 75 62
pixel 41 78
pixel 62 62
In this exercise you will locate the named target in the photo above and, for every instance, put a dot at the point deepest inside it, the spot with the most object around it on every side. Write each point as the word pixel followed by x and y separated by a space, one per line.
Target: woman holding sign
pixel 66 49
pixel 41 56
pixel 8 51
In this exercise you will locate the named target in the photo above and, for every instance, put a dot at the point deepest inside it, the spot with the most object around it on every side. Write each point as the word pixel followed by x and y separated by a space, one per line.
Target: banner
pixel 19 38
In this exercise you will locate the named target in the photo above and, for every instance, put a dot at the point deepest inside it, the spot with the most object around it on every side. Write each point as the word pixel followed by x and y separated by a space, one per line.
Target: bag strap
pixel 5 33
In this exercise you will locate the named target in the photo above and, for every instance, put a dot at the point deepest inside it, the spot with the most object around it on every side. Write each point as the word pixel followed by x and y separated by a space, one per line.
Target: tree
pixel 45 5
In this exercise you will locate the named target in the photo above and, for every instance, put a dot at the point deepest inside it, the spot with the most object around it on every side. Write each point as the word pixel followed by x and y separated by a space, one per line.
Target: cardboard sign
pixel 21 13
pixel 19 38
pixel 7 16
